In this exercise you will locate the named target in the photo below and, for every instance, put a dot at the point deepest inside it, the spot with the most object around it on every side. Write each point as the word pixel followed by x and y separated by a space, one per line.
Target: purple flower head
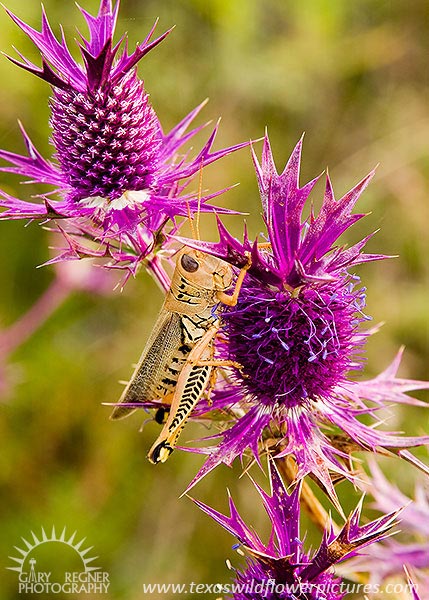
pixel 115 172
pixel 281 568
pixel 296 331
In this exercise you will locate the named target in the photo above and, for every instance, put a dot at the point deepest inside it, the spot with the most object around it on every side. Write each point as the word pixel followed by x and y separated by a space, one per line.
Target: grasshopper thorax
pixel 196 280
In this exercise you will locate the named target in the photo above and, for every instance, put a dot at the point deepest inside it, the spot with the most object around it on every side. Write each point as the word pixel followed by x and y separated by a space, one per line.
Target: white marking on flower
pixel 128 199
pixel 94 202
pixel 321 406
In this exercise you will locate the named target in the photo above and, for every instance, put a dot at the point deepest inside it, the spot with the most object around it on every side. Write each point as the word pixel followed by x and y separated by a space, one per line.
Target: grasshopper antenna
pixel 190 219
pixel 200 187
pixel 195 229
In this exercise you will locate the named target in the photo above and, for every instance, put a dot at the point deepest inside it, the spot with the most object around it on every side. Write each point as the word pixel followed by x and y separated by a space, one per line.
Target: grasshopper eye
pixel 189 264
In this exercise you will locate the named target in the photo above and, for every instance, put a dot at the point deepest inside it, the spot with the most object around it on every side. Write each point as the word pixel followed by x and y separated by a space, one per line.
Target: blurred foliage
pixel 354 76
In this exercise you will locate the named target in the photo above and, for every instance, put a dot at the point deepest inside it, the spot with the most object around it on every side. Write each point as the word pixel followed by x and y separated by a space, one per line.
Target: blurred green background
pixel 354 77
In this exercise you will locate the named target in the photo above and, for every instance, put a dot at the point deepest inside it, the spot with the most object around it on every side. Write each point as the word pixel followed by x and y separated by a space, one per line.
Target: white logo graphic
pixel 87 578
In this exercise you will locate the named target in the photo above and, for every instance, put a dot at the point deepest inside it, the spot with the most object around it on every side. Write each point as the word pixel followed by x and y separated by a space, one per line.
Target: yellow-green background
pixel 354 77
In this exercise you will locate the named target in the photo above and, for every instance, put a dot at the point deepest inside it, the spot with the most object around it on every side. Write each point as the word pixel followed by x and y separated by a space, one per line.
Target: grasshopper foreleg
pixel 231 300
pixel 219 363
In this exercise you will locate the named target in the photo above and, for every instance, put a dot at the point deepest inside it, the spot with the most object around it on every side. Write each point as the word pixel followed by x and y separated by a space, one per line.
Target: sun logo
pixel 88 579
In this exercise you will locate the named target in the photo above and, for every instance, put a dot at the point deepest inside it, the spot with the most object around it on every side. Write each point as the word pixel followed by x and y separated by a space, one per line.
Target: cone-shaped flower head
pixel 114 165
pixel 282 569
pixel 296 332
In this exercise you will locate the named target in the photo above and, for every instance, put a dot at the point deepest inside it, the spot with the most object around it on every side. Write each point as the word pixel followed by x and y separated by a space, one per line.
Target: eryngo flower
pixel 115 172
pixel 282 568
pixel 296 331
pixel 411 547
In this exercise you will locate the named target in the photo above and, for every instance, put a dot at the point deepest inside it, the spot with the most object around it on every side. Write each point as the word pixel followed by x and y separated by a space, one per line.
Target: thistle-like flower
pixel 296 332
pixel 282 568
pixel 115 172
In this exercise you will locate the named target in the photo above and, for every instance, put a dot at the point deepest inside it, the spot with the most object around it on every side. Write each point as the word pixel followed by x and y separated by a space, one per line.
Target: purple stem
pixel 20 331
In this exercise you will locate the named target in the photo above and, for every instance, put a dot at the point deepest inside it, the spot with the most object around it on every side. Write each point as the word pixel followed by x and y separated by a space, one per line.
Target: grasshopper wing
pixel 153 376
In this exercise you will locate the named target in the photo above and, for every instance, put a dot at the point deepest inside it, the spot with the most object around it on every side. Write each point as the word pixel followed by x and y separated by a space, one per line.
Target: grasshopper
pixel 177 363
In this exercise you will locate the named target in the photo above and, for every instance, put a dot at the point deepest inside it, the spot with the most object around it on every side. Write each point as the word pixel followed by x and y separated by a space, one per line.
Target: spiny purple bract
pixel 275 582
pixel 281 569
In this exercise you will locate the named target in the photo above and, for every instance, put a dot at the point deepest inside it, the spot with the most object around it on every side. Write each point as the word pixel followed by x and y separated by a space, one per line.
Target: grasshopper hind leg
pixel 160 453
pixel 191 385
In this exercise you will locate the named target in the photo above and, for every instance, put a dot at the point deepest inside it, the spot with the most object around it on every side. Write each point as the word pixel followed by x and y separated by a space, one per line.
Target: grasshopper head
pixel 203 270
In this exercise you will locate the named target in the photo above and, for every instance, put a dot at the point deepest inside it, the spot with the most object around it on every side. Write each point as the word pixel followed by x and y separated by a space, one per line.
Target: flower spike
pixel 114 168
pixel 282 563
